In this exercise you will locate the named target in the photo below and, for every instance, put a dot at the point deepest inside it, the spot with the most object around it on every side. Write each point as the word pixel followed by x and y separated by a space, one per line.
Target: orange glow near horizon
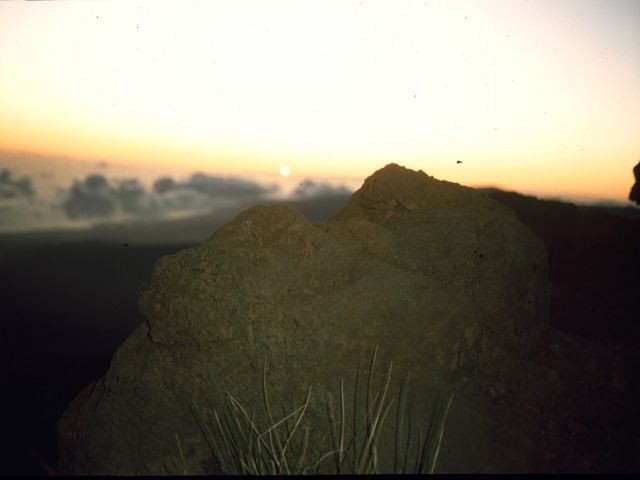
pixel 537 97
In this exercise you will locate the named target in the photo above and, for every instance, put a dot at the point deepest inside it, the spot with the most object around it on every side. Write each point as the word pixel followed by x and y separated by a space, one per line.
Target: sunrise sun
pixel 285 171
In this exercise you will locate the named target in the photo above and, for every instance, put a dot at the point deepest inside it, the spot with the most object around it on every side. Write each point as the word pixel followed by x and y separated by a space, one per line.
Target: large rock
pixel 444 280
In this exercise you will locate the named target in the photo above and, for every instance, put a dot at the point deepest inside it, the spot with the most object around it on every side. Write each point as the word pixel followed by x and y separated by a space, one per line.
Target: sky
pixel 536 96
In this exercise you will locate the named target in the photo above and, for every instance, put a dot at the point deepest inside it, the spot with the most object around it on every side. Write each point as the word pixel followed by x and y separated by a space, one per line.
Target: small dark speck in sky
pixel 458 161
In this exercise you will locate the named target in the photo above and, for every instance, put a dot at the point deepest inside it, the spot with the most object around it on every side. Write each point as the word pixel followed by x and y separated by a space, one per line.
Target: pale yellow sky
pixel 536 96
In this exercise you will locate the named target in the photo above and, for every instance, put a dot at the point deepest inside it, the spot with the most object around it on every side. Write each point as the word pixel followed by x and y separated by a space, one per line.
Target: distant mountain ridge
pixel 593 254
pixel 623 209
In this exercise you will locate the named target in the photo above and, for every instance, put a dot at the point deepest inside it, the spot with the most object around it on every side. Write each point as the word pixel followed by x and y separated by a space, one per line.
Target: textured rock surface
pixel 449 285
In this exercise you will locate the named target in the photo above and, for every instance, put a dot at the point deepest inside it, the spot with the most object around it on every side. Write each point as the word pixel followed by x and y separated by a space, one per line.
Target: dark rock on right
pixel 634 194
pixel 593 343
pixel 594 265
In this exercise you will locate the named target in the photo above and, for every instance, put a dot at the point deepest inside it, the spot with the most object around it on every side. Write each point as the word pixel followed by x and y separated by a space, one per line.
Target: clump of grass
pixel 240 447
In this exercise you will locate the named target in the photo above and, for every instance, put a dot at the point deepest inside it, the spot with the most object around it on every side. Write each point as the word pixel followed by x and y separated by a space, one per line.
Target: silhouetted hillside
pixel 594 265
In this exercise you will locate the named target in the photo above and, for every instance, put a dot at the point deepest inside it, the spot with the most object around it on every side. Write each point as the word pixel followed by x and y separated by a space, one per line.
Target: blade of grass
pixel 378 409
pixel 376 433
pixel 439 435
pixel 278 458
pixel 184 463
pixel 234 430
pixel 408 444
pixel 212 443
pixel 337 435
pixel 399 421
pixel 354 438
pixel 316 466
pixel 433 439
pixel 274 440
pixel 333 433
pixel 303 453
pixel 369 385
pixel 260 436
pixel 228 448
pixel 303 410
pixel 341 445
pixel 425 451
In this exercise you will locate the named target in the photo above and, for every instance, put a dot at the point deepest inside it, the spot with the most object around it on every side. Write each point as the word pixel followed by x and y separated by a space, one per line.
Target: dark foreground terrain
pixel 69 299
pixel 594 339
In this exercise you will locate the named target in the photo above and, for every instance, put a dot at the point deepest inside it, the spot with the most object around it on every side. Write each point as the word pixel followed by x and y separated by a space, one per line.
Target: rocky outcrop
pixel 634 194
pixel 444 280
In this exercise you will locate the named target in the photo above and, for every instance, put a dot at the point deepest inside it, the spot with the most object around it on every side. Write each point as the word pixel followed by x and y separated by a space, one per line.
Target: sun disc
pixel 285 171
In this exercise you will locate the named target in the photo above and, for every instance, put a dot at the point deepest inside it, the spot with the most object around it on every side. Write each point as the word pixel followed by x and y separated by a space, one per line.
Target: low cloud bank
pixel 96 197
pixel 92 197
pixel 310 189
pixel 10 188
pixel 213 186
pixel 202 190
pixel 20 206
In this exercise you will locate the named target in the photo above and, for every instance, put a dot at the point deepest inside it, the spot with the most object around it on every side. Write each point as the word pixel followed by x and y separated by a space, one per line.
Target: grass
pixel 240 446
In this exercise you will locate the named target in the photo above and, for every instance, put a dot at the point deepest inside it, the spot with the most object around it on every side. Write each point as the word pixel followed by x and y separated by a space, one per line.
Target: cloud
pixel 181 199
pixel 134 199
pixel 225 187
pixel 96 197
pixel 165 184
pixel 20 208
pixel 202 191
pixel 14 188
pixel 310 189
pixel 92 197
pixel 213 186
